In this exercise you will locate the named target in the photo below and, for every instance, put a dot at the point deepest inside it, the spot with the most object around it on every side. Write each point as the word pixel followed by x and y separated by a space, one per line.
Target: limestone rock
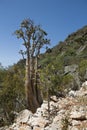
pixel 72 93
pixel 69 112
pixel 38 121
pixel 23 116
pixel 78 113
pixel 84 85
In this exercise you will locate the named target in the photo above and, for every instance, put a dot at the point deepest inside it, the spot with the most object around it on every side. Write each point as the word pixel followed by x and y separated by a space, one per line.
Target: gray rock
pixel 78 114
pixel 73 71
pixel 72 93
pixel 70 68
pixel 84 85
pixel 24 116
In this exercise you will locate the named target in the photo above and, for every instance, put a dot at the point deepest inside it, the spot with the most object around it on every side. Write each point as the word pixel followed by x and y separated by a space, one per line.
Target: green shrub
pixel 82 67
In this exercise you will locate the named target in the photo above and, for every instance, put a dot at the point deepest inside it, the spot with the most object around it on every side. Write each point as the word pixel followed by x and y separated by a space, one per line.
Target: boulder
pixel 78 113
pixel 24 116
pixel 84 85
pixel 70 68
pixel 38 121
pixel 72 93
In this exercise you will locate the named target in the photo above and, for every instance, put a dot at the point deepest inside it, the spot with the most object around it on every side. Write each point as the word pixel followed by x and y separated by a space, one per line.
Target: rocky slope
pixel 69 58
pixel 69 113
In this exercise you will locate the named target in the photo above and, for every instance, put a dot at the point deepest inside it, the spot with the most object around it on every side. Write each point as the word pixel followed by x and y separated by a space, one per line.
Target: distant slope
pixel 71 53
pixel 74 46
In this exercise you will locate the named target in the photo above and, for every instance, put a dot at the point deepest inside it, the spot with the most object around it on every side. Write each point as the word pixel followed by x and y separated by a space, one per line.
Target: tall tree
pixel 34 38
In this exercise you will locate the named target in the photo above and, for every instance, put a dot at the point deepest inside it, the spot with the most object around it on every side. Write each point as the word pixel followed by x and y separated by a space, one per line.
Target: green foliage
pixel 65 123
pixel 67 79
pixel 82 67
pixel 2 75
pixel 72 51
pixel 50 79
pixel 11 92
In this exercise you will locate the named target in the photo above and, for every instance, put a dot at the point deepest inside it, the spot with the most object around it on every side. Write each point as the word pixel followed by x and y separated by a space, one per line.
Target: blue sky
pixel 58 18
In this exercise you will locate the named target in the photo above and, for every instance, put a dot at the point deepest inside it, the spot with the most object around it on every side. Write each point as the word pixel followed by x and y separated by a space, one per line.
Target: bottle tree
pixel 34 38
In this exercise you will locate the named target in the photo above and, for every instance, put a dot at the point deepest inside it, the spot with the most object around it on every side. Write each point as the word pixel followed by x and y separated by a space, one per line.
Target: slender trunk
pixel 48 96
pixel 33 75
pixel 37 90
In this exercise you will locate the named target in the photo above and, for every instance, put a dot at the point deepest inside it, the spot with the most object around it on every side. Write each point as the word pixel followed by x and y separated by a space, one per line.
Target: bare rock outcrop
pixel 68 113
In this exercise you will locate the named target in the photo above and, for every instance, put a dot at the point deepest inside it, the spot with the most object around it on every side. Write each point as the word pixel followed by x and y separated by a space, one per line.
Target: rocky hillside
pixel 69 59
pixel 69 113
pixel 61 69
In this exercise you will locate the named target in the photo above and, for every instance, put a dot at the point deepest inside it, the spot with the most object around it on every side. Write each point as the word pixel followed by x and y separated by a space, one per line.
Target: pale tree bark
pixel 33 38
pixel 37 91
pixel 31 101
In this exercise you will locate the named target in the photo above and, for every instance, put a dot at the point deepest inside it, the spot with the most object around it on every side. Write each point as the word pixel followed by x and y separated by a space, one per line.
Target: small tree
pixel 33 40
pixel 46 78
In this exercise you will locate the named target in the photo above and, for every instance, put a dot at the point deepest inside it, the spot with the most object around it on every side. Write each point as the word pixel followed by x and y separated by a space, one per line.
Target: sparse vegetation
pixel 65 123
pixel 51 73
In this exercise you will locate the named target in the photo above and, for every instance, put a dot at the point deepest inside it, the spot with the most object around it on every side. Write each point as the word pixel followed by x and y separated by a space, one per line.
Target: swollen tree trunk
pixel 32 103
pixel 33 40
